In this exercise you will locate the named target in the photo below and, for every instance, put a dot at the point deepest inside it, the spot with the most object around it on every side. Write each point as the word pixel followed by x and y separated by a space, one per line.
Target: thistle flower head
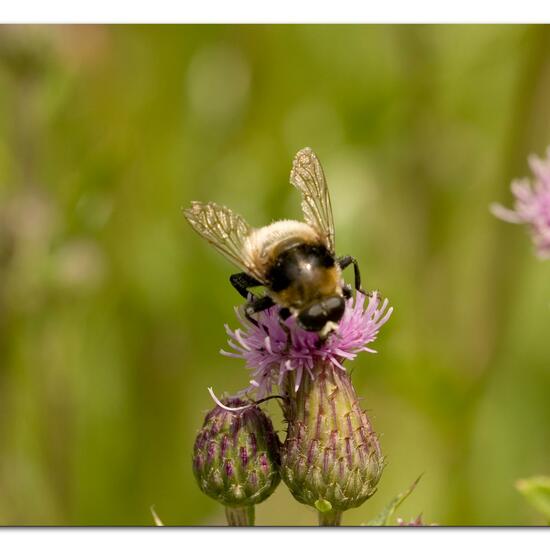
pixel 271 356
pixel 236 455
pixel 532 204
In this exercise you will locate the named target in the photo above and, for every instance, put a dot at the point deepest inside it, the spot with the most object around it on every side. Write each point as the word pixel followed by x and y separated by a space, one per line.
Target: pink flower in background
pixel 532 205
pixel 267 355
pixel 418 522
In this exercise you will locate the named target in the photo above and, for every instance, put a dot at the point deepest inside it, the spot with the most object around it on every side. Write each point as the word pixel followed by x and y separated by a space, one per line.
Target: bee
pixel 294 261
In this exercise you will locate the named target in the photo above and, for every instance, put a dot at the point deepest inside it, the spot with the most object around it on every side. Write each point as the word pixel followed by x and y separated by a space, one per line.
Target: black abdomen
pixel 303 270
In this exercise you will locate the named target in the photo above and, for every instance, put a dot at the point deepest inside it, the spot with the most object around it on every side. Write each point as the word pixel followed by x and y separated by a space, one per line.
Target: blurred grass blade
pixel 156 519
pixel 390 509
pixel 537 491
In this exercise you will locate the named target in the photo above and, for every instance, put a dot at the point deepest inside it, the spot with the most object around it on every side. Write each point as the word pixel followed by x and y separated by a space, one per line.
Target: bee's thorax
pixel 303 274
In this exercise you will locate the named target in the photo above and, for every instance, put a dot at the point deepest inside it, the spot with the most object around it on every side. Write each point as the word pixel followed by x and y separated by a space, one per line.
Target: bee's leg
pixel 256 305
pixel 242 282
pixel 284 314
pixel 346 290
pixel 344 262
pixel 328 329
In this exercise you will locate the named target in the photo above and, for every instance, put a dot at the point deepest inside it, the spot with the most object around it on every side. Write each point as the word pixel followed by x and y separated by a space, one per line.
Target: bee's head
pixel 316 315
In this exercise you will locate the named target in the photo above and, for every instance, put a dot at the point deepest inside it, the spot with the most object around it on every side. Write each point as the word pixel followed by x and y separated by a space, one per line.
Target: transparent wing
pixel 307 175
pixel 225 230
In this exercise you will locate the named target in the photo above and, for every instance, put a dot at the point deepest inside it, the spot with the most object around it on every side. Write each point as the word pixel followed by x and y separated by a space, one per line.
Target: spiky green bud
pixel 331 458
pixel 236 455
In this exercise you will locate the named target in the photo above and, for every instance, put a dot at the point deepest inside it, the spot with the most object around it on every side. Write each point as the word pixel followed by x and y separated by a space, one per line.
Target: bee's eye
pixel 313 318
pixel 335 306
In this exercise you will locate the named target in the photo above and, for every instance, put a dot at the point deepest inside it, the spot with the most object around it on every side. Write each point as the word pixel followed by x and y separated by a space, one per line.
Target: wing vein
pixel 226 231
pixel 308 177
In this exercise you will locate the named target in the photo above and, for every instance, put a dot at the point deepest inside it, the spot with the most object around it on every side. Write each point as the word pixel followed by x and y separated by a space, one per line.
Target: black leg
pixel 242 282
pixel 347 292
pixel 284 314
pixel 259 304
pixel 344 262
pixel 255 306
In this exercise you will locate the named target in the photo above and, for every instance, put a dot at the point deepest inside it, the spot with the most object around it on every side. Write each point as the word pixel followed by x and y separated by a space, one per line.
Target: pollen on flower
pixel 270 356
pixel 532 204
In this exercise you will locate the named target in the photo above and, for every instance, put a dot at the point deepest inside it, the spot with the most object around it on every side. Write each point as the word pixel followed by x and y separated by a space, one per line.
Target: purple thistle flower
pixel 532 205
pixel 271 358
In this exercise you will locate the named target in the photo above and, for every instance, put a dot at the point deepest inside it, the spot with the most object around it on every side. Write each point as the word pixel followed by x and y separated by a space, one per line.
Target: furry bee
pixel 295 261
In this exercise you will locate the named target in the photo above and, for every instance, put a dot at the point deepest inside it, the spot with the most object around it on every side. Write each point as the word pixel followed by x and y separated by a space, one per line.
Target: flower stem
pixel 332 518
pixel 239 516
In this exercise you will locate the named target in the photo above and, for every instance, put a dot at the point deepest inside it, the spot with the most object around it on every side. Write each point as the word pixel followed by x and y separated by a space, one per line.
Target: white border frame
pixel 282 11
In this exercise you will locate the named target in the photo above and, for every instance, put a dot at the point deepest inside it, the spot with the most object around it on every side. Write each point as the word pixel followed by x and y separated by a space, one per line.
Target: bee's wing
pixel 307 175
pixel 225 230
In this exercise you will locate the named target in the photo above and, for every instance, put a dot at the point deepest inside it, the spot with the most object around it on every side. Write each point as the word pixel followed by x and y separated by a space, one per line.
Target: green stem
pixel 333 518
pixel 240 516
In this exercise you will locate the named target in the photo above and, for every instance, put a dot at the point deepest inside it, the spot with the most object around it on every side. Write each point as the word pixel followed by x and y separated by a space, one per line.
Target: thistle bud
pixel 331 458
pixel 236 459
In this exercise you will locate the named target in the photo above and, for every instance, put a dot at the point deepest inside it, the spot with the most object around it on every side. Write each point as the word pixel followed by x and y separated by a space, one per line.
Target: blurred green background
pixel 112 309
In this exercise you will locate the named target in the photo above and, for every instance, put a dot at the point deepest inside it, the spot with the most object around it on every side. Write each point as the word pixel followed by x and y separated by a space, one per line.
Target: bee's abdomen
pixel 302 271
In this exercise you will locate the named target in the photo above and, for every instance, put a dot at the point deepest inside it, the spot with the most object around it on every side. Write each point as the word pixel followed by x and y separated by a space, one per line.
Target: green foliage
pixel 537 491
pixel 387 513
